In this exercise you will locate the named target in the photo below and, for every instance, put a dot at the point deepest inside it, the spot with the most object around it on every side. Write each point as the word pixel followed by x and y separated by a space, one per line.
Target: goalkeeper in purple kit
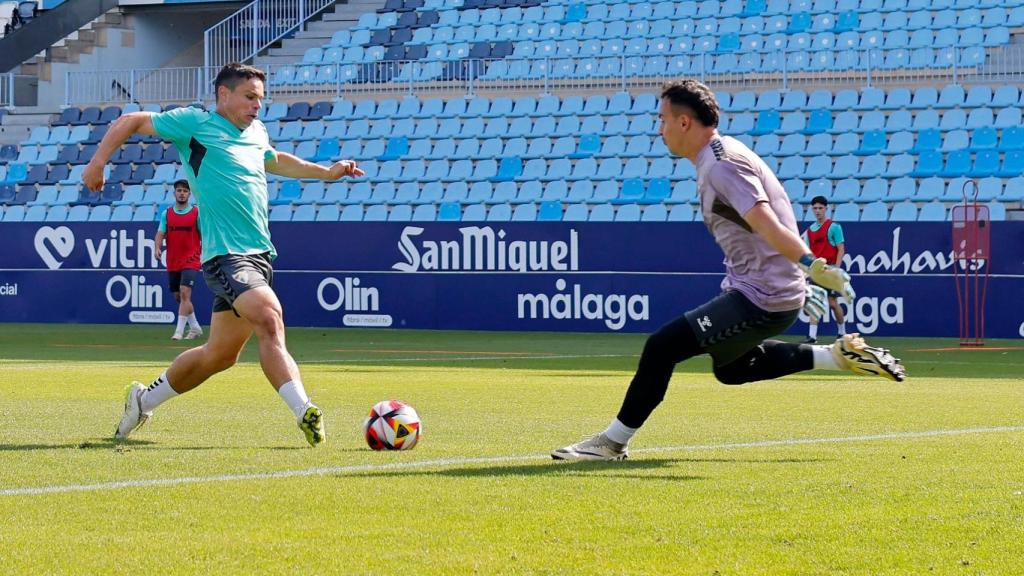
pixel 747 211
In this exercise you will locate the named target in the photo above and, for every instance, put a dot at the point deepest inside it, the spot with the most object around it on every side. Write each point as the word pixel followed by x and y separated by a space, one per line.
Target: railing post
pixel 623 72
pixel 199 84
pixel 206 49
pixel 267 95
pixel 956 57
pixel 67 90
pixel 302 15
pixel 868 63
pixel 785 70
pixel 131 84
pixel 255 31
pixel 547 73
pixel 337 80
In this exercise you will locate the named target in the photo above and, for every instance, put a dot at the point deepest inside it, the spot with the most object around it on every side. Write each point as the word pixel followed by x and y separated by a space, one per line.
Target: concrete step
pixel 321 36
pixel 263 62
pixel 23 117
pixel 14 134
pixel 329 27
pixel 296 46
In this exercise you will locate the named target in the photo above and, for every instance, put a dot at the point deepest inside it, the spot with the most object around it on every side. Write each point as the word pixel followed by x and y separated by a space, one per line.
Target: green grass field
pixel 821 473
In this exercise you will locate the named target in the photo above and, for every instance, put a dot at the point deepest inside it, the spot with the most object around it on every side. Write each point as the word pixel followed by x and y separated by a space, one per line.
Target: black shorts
pixel 831 293
pixel 179 278
pixel 231 275
pixel 730 325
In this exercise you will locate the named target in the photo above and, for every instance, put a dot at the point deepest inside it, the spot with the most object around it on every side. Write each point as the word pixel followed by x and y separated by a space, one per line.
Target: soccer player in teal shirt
pixel 226 154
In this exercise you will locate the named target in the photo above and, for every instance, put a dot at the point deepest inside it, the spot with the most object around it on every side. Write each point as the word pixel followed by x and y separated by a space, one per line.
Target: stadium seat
pixel 351 213
pixel 575 213
pixel 846 212
pixel 932 212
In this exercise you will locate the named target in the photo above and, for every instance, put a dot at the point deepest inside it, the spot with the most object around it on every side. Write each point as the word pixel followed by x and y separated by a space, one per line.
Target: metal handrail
pixel 7 90
pixel 254 27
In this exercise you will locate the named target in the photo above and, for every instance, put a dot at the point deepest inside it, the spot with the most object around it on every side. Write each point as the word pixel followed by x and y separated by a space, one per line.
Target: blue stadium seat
pixel 281 213
pixel 1013 164
pixel 1014 190
pixel 903 188
pixel 903 212
pixel 958 163
pixel 1006 95
pixel 550 211
pixel 351 213
pixel 846 212
pixel 681 213
pixel 875 212
pixel 932 212
pixel 1012 138
pixel 986 163
pixel 928 140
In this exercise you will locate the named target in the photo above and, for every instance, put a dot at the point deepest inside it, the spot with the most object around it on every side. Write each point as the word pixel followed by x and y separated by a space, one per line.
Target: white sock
pixel 181 324
pixel 193 321
pixel 159 391
pixel 823 358
pixel 842 328
pixel 294 395
pixel 812 332
pixel 619 432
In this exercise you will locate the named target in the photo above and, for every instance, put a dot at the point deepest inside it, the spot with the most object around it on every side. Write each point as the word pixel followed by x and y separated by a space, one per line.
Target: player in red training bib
pixel 179 224
pixel 827 241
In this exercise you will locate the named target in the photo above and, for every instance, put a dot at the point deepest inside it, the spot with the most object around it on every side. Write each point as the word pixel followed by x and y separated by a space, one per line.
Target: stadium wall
pixel 495 276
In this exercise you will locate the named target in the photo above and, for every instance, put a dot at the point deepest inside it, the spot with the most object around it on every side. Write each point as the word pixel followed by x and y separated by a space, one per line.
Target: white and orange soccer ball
pixel 392 425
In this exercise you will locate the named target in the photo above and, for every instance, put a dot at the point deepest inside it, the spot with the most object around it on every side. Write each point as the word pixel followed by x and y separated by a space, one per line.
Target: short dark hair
pixel 696 97
pixel 819 200
pixel 182 183
pixel 233 74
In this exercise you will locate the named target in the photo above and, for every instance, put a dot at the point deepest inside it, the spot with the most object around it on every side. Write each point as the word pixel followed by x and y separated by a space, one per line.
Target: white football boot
pixel 597 447
pixel 852 353
pixel 193 333
pixel 134 417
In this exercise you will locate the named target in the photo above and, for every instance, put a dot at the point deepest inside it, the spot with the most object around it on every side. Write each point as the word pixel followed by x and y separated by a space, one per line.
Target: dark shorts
pixel 729 326
pixel 179 278
pixel 831 293
pixel 231 275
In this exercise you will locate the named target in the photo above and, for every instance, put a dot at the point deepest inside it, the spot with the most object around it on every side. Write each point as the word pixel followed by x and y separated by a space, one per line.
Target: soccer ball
pixel 392 425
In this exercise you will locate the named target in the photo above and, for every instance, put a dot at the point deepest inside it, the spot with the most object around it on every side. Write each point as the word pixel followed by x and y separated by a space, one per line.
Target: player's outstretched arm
pixel 294 167
pixel 120 131
pixel 764 222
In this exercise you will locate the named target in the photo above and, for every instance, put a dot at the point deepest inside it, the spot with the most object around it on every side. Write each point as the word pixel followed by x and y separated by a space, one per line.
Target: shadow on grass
pixel 97 443
pixel 542 469
pixel 127 445
pixel 631 469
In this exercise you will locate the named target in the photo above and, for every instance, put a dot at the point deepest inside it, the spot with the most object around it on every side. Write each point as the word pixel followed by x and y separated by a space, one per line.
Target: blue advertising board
pixel 565 276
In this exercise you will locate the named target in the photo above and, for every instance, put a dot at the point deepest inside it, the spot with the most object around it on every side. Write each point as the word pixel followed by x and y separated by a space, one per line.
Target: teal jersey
pixel 225 169
pixel 163 216
pixel 835 233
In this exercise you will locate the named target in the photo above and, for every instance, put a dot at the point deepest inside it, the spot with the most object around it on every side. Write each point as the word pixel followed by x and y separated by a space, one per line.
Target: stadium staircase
pixel 317 32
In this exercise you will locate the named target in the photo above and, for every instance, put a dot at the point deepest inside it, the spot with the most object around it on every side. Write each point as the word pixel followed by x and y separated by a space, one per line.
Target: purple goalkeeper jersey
pixel 731 179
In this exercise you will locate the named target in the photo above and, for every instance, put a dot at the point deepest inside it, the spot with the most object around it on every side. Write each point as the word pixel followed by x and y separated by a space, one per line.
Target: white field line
pixel 462 462
pixel 35 365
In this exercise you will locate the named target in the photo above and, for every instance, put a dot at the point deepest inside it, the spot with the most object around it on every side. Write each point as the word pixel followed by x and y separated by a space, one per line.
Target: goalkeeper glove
pixel 815 301
pixel 831 277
